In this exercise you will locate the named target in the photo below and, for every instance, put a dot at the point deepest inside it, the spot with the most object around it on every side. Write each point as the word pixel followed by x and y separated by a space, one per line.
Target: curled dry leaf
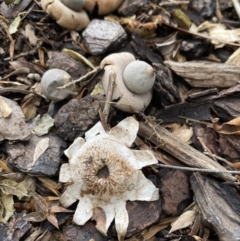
pixel 30 34
pixel 184 220
pixel 183 132
pixel 219 32
pixel 103 173
pixel 5 108
pixel 40 148
pixel 45 210
pixel 231 127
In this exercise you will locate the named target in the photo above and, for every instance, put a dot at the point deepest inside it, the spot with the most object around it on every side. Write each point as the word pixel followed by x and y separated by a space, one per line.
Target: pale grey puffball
pixel 52 79
pixel 75 5
pixel 139 77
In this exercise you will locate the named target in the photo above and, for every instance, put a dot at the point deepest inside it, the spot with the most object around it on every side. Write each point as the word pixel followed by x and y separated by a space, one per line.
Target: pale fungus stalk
pixel 103 173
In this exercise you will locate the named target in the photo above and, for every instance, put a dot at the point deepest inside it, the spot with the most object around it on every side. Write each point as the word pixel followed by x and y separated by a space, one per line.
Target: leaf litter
pixel 192 121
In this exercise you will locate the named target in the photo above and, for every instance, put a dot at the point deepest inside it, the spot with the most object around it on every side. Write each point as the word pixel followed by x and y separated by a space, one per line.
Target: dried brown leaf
pixel 40 148
pixel 184 220
pixel 29 110
pixel 35 217
pixel 51 185
pixel 100 217
pixel 5 108
pixel 30 34
pixel 231 127
pixel 41 204
pixel 15 176
pixel 219 32
pixel 53 220
pixel 59 209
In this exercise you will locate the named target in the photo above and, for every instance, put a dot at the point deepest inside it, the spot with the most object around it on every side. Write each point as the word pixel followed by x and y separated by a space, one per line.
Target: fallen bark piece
pixel 182 111
pixel 219 204
pixel 166 141
pixel 227 107
pixel 46 161
pixel 206 74
pixel 144 51
pixel 15 229
pixel 142 214
pixel 13 127
pixel 86 232
pixel 101 36
pixel 129 7
pixel 175 191
pixel 205 138
pixel 228 147
pixel 166 89
pixel 77 116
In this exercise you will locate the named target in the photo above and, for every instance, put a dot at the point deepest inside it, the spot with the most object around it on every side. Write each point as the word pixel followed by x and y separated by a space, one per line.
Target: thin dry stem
pixel 166 141
pixel 192 169
pixel 173 3
pixel 80 79
pixel 107 106
pixel 237 7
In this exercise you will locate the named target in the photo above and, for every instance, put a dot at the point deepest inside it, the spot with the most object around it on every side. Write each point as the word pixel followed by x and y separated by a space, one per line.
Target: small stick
pixel 192 169
pixel 80 79
pixel 218 11
pixel 166 141
pixel 31 52
pixel 111 84
pixel 237 7
pixel 103 121
pixel 206 150
pixel 172 3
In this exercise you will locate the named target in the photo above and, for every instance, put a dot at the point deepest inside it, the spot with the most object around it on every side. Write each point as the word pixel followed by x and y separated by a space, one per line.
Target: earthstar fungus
pixel 104 6
pixel 134 81
pixel 103 173
pixel 71 14
pixel 51 80
pixel 67 13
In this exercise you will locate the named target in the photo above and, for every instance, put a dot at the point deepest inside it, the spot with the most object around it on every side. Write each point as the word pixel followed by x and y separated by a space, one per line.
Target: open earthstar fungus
pixel 103 173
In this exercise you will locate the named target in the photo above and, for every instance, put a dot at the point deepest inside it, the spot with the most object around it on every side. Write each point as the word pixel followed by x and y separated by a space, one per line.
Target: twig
pixel 237 7
pixel 192 169
pixel 206 150
pixel 80 79
pixel 218 11
pixel 166 141
pixel 111 83
pixel 172 3
pixel 103 121
pixel 31 52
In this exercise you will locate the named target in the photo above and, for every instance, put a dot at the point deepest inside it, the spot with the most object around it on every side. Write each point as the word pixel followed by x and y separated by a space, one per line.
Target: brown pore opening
pixel 103 172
